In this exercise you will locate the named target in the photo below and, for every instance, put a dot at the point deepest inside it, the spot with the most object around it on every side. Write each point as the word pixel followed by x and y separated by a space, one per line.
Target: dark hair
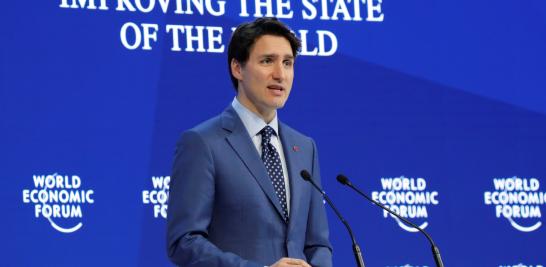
pixel 246 34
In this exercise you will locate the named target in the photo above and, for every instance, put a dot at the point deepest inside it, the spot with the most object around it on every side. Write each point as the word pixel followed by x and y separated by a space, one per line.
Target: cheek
pixel 288 92
pixel 290 81
pixel 257 78
pixel 253 80
pixel 290 77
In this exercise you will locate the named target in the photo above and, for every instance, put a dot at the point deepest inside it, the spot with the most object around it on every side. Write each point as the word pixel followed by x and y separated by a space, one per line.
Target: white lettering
pixel 136 32
pixel 408 211
pixel 122 4
pixel 214 36
pixel 334 9
pixel 81 4
pixel 322 47
pixel 517 211
pixel 309 12
pixel 374 10
pixel 244 12
pixel 282 7
pixel 259 4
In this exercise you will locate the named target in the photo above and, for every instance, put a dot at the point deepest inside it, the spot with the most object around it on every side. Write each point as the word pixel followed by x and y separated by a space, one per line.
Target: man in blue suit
pixel 236 195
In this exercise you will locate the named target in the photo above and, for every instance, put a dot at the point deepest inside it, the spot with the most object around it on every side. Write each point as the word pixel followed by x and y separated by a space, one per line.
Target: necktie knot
pixel 266 133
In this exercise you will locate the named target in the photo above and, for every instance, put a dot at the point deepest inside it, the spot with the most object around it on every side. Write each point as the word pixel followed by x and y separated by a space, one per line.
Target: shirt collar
pixel 253 123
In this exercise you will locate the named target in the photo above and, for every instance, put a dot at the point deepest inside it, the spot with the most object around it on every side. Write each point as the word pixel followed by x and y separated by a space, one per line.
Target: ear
pixel 236 69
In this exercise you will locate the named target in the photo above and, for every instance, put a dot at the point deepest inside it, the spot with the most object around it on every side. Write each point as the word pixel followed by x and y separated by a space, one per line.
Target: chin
pixel 279 104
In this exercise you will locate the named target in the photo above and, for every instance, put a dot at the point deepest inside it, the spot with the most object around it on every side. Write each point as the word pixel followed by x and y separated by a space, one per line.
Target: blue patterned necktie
pixel 273 164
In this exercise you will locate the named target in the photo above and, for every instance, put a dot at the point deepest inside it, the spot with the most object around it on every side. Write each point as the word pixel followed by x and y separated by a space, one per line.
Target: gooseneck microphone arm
pixel 342 179
pixel 356 248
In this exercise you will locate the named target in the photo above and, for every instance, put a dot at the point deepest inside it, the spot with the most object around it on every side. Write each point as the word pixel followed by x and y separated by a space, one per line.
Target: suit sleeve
pixel 190 208
pixel 318 249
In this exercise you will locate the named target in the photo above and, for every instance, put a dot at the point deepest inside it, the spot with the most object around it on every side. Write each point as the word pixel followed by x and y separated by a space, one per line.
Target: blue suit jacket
pixel 223 210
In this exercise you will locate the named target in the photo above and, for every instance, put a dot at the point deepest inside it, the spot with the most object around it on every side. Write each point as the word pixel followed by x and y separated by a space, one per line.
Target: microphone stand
pixel 435 250
pixel 356 248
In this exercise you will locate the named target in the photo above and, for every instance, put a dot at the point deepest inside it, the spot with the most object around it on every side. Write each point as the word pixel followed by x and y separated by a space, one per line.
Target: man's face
pixel 266 79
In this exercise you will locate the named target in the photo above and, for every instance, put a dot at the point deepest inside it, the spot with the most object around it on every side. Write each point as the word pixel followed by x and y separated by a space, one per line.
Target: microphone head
pixel 343 179
pixel 305 175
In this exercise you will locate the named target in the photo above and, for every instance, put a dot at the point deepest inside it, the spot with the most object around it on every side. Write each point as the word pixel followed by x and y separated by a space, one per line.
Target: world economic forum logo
pixel 59 199
pixel 158 196
pixel 518 200
pixel 408 197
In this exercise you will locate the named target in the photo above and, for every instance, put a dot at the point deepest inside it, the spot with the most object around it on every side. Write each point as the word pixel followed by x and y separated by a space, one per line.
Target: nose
pixel 278 72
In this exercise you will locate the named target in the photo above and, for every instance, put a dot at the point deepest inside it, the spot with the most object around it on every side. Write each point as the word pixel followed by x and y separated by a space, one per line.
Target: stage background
pixel 443 94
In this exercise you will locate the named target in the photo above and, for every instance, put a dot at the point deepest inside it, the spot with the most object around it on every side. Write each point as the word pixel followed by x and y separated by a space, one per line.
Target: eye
pixel 288 63
pixel 266 60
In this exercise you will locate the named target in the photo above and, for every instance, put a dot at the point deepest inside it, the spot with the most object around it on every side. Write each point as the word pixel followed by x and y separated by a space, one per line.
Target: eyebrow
pixel 276 56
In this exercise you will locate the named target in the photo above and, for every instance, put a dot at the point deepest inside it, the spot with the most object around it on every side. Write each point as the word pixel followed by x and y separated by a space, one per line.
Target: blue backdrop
pixel 434 107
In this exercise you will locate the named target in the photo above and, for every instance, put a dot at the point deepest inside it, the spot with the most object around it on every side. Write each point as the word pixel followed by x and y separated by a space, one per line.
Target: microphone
pixel 435 251
pixel 356 249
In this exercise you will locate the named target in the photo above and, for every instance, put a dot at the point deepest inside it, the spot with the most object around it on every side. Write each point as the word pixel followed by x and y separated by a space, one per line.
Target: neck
pixel 266 115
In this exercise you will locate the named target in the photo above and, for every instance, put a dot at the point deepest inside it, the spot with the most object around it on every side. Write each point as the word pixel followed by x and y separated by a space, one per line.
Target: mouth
pixel 275 87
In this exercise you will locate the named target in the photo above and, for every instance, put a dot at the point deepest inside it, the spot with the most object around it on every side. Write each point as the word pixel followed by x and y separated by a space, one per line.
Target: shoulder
pixel 212 128
pixel 198 137
pixel 208 127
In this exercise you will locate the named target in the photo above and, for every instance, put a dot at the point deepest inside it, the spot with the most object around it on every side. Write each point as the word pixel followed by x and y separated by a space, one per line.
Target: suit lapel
pixel 294 165
pixel 245 149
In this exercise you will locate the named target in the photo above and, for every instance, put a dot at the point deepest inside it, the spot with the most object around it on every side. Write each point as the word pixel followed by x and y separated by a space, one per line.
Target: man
pixel 236 196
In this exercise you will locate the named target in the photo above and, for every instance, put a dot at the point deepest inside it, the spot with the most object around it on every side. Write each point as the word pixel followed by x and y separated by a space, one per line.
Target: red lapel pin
pixel 296 148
